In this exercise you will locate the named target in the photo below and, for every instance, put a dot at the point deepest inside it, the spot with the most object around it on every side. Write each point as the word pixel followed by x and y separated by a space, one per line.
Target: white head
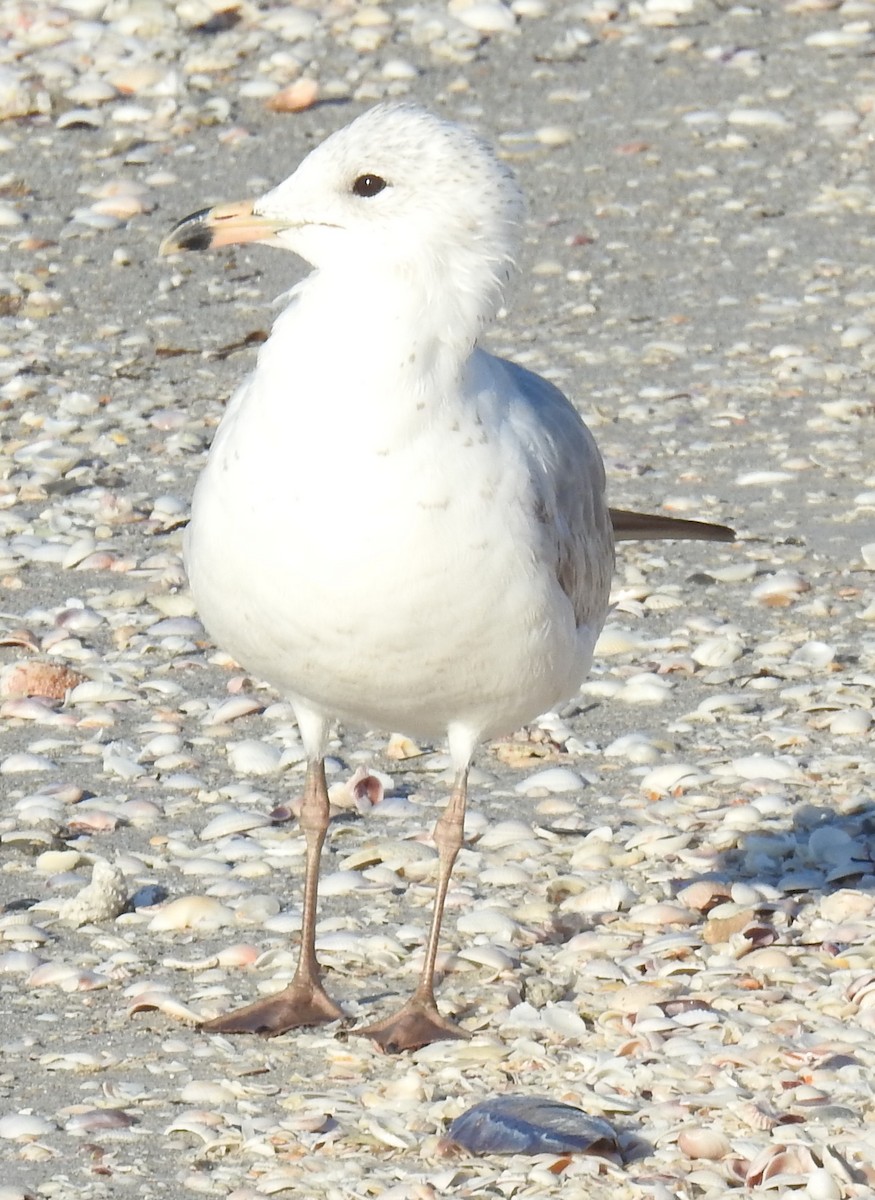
pixel 399 191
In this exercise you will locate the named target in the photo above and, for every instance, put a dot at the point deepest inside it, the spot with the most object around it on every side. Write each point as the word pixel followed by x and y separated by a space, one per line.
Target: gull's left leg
pixel 418 1023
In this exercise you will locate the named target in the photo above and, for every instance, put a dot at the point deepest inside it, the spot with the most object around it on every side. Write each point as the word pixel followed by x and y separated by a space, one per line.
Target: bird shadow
pixel 815 853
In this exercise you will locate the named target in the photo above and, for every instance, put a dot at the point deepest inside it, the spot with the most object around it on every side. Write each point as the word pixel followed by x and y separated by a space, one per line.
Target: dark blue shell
pixel 530 1125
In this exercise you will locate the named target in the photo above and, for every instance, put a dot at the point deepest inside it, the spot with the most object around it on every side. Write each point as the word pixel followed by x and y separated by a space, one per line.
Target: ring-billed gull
pixel 393 527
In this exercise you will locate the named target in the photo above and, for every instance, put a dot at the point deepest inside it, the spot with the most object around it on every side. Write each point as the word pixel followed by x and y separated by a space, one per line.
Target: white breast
pixel 386 567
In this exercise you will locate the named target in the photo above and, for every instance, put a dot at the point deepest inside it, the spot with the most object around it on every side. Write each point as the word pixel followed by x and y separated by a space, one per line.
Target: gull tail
pixel 654 527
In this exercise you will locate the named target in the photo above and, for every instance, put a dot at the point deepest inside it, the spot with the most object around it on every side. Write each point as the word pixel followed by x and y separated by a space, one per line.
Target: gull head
pixel 397 193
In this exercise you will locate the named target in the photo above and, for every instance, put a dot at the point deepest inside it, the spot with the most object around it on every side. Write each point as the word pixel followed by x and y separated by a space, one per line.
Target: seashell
pixel 515 1124
pixel 232 709
pixel 94 1120
pixel 660 914
pixel 23 962
pixel 176 627
pixel 388 1132
pixel 131 114
pixel 165 745
pixel 701 1142
pixel 135 79
pixel 853 722
pixel 612 896
pixel 829 844
pixel 251 757
pixel 396 855
pixel 717 651
pixel 24 1127
pixel 79 118
pixel 758 118
pixel 780 589
pixel 489 921
pixel 67 978
pixel 34 678
pixel 822 1185
pixel 297 97
pixel 791 1159
pixel 554 135
pixel 703 895
pixel 634 747
pixel 30 841
pixel 9 216
pixel 494 957
pixel 724 702
pixel 770 959
pixel 47 805
pixel 255 910
pixel 16 764
pixel 671 779
pixel 814 654
pixel 508 875
pixel 638 996
pixel 724 921
pixel 553 779
pixel 163 1002
pixel 91 90
pixel 614 640
pixel 361 792
pixel 645 688
pixel 847 904
pixel 401 747
pixel 191 912
pixel 563 1020
pixel 666 599
pixel 847 37
pixel 761 766
pixel 103 899
pixel 485 16
pixel 37 709
pixel 758 1117
pixel 837 1165
pixel 231 822
pixel 99 691
pixel 187 1123
pixel 505 833
pixel 201 1091
pixel 399 69
pixel 92 820
pixel 861 987
pixel 342 883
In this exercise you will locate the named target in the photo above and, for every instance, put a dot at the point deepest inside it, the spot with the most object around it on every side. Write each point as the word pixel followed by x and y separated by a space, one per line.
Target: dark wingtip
pixel 657 527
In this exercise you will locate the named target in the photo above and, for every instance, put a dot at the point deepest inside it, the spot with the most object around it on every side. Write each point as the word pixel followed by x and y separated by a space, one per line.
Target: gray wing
pixel 568 490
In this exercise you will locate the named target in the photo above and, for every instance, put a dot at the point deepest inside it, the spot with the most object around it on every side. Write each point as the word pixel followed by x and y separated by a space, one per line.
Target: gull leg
pixel 304 1001
pixel 418 1023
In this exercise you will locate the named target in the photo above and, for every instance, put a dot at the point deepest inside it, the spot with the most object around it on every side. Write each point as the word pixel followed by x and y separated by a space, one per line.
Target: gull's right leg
pixel 304 1001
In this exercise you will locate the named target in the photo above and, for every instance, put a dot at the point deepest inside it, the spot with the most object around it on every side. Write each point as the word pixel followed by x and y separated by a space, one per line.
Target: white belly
pixel 395 588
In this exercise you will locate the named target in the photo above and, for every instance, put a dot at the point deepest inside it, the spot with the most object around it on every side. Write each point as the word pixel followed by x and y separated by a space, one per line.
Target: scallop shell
pixel 702 1142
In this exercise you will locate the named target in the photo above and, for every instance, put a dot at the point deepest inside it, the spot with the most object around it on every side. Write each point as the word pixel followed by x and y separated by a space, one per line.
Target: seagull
pixel 395 528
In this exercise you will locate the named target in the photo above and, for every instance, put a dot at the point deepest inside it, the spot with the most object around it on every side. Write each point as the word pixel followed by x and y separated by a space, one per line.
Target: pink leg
pixel 418 1023
pixel 304 1001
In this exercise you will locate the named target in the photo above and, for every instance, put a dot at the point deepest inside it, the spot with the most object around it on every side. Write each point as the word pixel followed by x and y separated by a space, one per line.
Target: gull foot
pixel 416 1024
pixel 293 1007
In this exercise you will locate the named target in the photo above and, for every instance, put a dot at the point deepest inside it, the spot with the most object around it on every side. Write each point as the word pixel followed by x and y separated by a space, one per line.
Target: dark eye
pixel 368 185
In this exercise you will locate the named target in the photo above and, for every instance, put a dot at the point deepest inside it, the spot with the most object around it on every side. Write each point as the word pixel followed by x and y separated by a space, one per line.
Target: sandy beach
pixel 664 912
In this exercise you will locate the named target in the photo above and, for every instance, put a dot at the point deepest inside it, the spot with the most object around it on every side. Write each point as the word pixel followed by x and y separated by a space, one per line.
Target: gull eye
pixel 368 185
